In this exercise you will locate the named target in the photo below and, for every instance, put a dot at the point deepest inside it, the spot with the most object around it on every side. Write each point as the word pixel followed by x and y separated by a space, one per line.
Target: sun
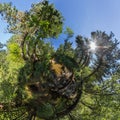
pixel 93 46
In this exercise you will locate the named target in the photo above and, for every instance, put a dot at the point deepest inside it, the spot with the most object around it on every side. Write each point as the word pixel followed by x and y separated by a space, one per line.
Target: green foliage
pixel 45 111
pixel 87 85
pixel 69 33
pixel 43 15
pixel 14 54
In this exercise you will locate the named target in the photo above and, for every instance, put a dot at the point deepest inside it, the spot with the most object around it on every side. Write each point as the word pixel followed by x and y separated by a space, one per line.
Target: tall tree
pixel 51 83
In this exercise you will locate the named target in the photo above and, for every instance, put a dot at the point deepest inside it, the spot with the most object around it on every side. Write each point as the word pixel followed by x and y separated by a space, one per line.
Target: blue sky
pixel 83 16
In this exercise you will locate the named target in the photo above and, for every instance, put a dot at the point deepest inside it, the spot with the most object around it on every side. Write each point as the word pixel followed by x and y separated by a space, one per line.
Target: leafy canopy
pixel 50 83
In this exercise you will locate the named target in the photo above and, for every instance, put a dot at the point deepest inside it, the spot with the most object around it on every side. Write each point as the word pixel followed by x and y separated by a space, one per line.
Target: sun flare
pixel 93 46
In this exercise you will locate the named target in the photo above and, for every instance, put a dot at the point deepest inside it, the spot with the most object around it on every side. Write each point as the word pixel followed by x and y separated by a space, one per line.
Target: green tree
pixel 49 83
pixel 100 77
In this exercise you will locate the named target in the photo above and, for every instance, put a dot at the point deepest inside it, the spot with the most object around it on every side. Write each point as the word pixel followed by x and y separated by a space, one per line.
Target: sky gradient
pixel 82 16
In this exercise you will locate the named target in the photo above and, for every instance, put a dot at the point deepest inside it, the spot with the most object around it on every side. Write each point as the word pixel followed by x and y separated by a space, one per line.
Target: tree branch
pixel 71 107
pixel 22 46
pixel 94 71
